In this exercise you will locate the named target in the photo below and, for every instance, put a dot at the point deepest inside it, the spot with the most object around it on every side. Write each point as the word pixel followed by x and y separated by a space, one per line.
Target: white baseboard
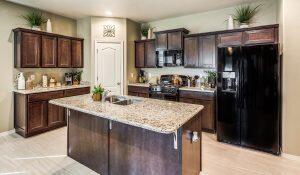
pixel 290 156
pixel 7 132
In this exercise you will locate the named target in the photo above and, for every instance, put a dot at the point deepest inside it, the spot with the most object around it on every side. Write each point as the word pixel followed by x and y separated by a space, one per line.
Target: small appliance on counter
pixel 21 81
pixel 171 58
pixel 68 79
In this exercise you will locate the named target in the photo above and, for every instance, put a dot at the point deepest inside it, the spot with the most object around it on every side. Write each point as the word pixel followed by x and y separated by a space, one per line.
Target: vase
pixel 97 97
pixel 38 28
pixel 150 33
pixel 244 25
pixel 49 26
pixel 230 25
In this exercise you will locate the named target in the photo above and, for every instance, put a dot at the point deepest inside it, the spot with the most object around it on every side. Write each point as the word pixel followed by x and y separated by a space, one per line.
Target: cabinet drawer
pixel 259 36
pixel 196 95
pixel 45 96
pixel 138 89
pixel 75 92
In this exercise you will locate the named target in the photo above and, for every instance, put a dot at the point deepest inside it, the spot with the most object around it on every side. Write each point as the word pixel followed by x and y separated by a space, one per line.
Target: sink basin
pixel 120 100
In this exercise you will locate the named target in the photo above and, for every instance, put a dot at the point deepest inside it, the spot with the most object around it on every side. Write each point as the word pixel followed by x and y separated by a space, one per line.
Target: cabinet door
pixel 175 41
pixel 37 116
pixel 150 54
pixel 133 93
pixel 56 115
pixel 187 100
pixel 191 53
pixel 162 41
pixel 140 55
pixel 230 39
pixel 77 53
pixel 207 51
pixel 64 52
pixel 49 51
pixel 145 95
pixel 30 50
pixel 208 117
pixel 259 36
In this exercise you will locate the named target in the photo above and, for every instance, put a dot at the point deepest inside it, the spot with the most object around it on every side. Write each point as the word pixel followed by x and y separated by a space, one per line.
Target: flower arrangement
pixel 244 14
pixel 35 19
pixel 98 93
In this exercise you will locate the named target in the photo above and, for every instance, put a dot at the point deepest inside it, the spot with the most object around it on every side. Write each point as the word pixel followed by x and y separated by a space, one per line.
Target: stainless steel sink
pixel 120 100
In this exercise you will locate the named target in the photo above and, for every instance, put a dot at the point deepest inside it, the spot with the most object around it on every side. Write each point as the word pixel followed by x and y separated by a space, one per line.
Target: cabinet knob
pixel 195 137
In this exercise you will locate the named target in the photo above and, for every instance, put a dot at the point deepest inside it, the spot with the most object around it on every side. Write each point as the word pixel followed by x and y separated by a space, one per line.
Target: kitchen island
pixel 145 136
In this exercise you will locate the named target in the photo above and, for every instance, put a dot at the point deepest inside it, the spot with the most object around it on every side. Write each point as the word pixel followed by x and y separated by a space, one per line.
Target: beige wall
pixel 10 19
pixel 291 78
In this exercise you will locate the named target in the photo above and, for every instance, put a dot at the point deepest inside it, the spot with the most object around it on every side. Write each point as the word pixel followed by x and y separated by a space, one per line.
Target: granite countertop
pixel 41 89
pixel 155 115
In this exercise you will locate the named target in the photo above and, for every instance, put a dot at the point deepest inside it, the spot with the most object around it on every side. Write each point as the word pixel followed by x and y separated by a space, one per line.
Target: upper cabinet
pixel 249 36
pixel 145 54
pixel 36 49
pixel 200 51
pixel 170 39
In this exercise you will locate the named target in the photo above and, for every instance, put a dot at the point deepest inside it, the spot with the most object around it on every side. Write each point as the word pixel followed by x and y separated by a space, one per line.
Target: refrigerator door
pixel 228 114
pixel 260 92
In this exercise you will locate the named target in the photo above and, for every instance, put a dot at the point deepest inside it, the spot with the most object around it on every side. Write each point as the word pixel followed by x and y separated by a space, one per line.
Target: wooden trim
pixel 143 41
pixel 185 31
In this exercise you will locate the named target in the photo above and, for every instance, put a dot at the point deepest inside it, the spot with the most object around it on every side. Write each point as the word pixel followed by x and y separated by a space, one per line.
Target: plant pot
pixel 244 25
pixel 144 38
pixel 38 28
pixel 76 82
pixel 97 97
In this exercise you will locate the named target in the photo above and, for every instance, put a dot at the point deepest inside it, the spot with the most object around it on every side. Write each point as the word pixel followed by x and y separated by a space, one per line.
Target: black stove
pixel 166 90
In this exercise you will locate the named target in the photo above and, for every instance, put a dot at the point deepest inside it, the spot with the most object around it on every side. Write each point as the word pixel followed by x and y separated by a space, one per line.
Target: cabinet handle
pixel 195 137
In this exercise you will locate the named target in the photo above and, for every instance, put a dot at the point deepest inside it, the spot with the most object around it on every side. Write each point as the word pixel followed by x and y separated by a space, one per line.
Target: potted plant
pixel 144 31
pixel 244 14
pixel 97 93
pixel 35 19
pixel 211 78
pixel 76 76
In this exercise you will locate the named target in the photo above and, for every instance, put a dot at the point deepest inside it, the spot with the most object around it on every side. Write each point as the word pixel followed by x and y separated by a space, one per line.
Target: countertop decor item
pixel 77 76
pixel 97 93
pixel 230 24
pixel 244 14
pixel 49 26
pixel 21 81
pixel 35 19
pixel 211 76
pixel 144 30
pixel 45 81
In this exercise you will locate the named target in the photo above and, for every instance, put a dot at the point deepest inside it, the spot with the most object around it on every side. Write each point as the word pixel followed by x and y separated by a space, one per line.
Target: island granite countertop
pixel 155 115
pixel 49 89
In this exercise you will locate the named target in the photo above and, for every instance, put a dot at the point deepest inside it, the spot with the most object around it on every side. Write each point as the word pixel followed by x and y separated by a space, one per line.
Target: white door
pixel 109 58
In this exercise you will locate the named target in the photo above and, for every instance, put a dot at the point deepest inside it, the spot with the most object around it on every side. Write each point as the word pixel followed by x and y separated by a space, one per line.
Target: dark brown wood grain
pixel 45 96
pixel 56 116
pixel 64 53
pixel 49 51
pixel 261 36
pixel 207 51
pixel 77 54
pixel 139 54
pixel 162 41
pixel 37 116
pixel 78 91
pixel 175 41
pixel 88 141
pixel 150 54
pixel 230 39
pixel 139 89
pixel 20 111
pixel 191 53
pixel 30 50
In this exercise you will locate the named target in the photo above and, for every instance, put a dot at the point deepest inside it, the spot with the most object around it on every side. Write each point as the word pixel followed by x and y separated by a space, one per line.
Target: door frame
pixel 122 61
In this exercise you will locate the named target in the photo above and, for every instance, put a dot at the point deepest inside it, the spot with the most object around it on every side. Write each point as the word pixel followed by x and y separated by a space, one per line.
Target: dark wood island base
pixel 114 148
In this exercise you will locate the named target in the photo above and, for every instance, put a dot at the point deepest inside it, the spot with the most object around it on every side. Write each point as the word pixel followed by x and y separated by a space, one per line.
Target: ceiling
pixel 137 10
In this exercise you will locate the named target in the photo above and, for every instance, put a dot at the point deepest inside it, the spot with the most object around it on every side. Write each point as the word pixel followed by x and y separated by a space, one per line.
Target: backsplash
pixel 57 73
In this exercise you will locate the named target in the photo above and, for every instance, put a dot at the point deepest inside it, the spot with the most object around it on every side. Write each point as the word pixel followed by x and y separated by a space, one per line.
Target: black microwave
pixel 171 58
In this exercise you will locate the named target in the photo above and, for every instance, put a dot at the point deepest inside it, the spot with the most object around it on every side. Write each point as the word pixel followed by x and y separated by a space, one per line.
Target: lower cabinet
pixel 33 114
pixel 208 101
pixel 138 91
pixel 37 116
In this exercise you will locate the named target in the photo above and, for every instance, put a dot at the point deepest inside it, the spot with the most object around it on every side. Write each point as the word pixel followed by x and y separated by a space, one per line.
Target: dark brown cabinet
pixel 77 53
pixel 205 99
pixel 37 116
pixel 191 53
pixel 27 50
pixel 145 54
pixel 33 114
pixel 170 39
pixel 49 51
pixel 260 36
pixel 37 49
pixel 200 52
pixel 207 51
pixel 230 39
pixel 64 53
pixel 138 91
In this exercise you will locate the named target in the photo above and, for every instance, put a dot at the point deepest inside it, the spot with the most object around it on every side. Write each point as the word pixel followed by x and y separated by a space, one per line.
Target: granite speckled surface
pixel 41 89
pixel 155 115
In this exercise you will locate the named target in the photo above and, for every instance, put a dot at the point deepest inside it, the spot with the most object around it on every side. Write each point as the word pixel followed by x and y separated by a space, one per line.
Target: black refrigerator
pixel 249 97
